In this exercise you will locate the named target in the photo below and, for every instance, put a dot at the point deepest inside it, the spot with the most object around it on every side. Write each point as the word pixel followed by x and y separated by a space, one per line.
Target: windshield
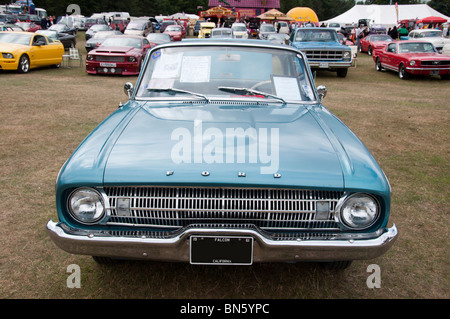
pixel 105 34
pixel 416 47
pixel 432 34
pixel 136 26
pixel 316 36
pixel 239 28
pixel 48 33
pixel 173 28
pixel 381 38
pixel 221 71
pixel 24 25
pixel 15 38
pixel 122 42
pixel 267 28
pixel 98 27
pixel 58 27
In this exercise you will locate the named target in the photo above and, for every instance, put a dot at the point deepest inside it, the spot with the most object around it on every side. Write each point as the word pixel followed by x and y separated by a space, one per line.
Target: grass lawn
pixel 46 113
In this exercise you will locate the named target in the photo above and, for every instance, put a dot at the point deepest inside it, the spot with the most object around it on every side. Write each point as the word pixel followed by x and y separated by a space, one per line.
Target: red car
pixel 119 24
pixel 29 26
pixel 122 54
pixel 410 57
pixel 374 42
pixel 176 32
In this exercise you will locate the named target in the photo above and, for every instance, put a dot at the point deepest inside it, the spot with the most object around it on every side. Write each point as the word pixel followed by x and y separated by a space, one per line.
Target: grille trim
pixel 436 62
pixel 109 58
pixel 178 207
pixel 324 55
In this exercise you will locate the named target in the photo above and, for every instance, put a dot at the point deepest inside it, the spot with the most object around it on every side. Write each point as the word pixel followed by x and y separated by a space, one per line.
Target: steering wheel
pixel 261 84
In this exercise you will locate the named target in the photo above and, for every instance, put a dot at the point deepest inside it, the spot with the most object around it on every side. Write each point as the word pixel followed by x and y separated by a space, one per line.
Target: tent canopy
pixel 386 14
pixel 274 14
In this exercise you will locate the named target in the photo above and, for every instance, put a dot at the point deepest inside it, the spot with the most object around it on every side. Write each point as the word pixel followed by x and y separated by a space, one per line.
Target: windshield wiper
pixel 178 91
pixel 251 91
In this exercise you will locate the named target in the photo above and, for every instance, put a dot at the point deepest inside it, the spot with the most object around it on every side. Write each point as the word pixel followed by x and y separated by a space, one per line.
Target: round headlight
pixel 359 211
pixel 412 62
pixel 347 54
pixel 86 205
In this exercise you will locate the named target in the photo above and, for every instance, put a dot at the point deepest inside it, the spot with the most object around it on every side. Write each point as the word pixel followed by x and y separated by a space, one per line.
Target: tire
pixel 378 65
pixel 402 74
pixel 369 51
pixel 24 64
pixel 445 77
pixel 338 265
pixel 104 260
pixel 342 73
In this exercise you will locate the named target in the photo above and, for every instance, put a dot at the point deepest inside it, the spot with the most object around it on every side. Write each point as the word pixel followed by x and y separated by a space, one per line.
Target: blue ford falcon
pixel 223 155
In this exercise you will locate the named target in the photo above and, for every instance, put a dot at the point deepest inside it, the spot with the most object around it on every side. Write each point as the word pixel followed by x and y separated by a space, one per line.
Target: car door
pixel 386 58
pixel 42 53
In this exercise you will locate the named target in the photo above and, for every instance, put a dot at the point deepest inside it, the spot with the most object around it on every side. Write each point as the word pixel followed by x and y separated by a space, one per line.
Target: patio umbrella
pixel 433 20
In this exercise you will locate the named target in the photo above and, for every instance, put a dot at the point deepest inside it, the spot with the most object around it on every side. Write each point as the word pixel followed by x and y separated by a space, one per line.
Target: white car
pixel 446 49
pixel 334 25
pixel 431 35
pixel 284 27
pixel 239 30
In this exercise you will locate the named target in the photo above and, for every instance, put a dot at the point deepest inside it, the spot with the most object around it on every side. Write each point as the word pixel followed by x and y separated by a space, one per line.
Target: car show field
pixel 47 113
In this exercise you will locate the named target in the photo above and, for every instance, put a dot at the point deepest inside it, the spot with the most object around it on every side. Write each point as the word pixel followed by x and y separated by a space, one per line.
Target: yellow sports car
pixel 23 51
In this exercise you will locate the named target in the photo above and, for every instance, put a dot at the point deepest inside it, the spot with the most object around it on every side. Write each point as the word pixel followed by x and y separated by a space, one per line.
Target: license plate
pixel 221 250
pixel 108 65
pixel 434 72
pixel 323 65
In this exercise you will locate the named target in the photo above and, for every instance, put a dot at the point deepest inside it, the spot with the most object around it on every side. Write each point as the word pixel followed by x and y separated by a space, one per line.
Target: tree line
pixel 325 9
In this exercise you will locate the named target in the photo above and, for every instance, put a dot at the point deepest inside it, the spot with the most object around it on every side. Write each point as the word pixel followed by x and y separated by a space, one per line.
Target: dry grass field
pixel 406 124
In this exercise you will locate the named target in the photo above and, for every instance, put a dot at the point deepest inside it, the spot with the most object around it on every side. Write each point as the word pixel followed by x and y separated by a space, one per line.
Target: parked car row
pixel 421 54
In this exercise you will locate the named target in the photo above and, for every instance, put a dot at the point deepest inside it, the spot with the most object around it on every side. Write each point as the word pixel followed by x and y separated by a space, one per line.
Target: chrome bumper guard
pixel 331 65
pixel 176 248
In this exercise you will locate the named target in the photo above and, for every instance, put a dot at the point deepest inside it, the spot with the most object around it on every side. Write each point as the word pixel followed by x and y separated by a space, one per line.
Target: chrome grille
pixel 177 207
pixel 109 58
pixel 435 63
pixel 323 55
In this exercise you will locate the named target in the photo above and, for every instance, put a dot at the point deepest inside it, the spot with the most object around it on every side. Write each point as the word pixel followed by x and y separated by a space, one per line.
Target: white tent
pixel 386 14
pixel 183 16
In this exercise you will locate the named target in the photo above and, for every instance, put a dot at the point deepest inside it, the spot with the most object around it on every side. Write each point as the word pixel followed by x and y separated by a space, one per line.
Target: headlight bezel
pixel 96 197
pixel 343 203
pixel 7 55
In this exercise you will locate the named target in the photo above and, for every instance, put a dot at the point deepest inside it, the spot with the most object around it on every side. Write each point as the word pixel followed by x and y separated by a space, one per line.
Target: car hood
pixel 436 40
pixel 9 47
pixel 426 56
pixel 177 144
pixel 319 45
pixel 114 50
pixel 379 44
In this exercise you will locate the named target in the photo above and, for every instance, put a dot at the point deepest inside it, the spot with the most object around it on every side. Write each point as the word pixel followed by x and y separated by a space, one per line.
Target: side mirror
pixel 128 89
pixel 322 91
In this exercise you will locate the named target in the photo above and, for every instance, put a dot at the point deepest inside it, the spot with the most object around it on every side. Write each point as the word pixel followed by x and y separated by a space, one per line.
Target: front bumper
pixel 176 248
pixel 123 68
pixel 428 70
pixel 9 64
pixel 330 65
